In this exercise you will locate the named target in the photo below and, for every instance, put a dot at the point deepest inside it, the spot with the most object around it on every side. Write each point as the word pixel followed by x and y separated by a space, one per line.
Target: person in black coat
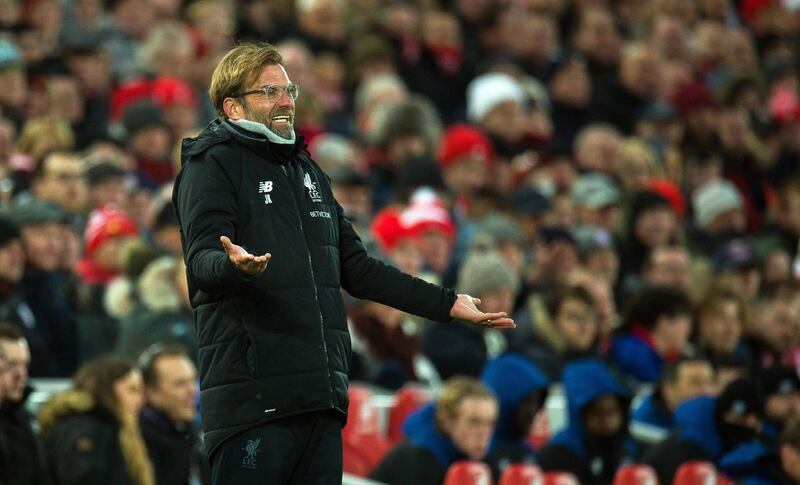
pixel 167 419
pixel 91 431
pixel 274 350
pixel 18 442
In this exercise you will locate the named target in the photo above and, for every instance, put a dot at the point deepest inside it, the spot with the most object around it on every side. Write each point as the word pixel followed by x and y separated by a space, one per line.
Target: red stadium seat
pixel 467 472
pixel 560 478
pixel 363 444
pixel 696 473
pixel 636 474
pixel 521 474
pixel 407 400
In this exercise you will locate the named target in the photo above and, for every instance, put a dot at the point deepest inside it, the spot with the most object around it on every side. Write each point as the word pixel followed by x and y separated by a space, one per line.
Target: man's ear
pixel 232 108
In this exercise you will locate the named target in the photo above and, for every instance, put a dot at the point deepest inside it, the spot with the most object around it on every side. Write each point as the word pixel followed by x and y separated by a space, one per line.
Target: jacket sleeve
pixel 369 278
pixel 205 202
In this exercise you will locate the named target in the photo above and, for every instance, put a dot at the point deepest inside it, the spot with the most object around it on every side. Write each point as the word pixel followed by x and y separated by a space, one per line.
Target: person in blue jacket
pixel 652 419
pixel 695 437
pixel 595 443
pixel 521 389
pixel 457 426
pixel 657 327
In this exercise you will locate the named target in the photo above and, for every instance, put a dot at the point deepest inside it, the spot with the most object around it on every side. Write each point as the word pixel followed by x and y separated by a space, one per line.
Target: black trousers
pixel 302 449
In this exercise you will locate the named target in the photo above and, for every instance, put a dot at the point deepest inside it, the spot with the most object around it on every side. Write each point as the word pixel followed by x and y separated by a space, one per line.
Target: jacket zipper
pixel 314 284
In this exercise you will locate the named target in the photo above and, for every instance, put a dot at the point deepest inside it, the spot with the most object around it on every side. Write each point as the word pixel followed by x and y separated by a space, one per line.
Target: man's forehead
pixel 272 74
pixel 14 348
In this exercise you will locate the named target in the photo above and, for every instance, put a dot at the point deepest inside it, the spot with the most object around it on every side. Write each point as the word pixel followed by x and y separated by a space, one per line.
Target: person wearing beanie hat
pixel 735 266
pixel 396 240
pixel 150 142
pixel 487 91
pixel 461 348
pixel 105 231
pixel 108 185
pixel 597 199
pixel 430 222
pixel 779 390
pixel 521 389
pixel 178 103
pixel 465 156
pixel 739 413
pixel 718 208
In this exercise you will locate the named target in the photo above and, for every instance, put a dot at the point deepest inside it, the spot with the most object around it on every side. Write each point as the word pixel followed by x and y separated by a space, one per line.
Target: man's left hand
pixel 465 308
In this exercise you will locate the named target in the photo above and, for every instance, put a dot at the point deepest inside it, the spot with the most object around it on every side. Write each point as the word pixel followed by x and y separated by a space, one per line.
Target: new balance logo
pixel 265 188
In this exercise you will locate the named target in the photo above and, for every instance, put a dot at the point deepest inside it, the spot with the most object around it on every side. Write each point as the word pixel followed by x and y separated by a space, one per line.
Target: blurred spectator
pixel 496 103
pixel 165 231
pixel 593 445
pixel 91 431
pixel 555 258
pixel 529 208
pixel 773 336
pixel 429 221
pixel 106 233
pixel 108 186
pixel 720 323
pixel 15 88
pixel 570 93
pixel 597 200
pixel 167 419
pixel 46 288
pixel 149 141
pixel 58 179
pixel 789 450
pixel 652 420
pixel 779 390
pixel 458 348
pixel 459 425
pixel 651 223
pixel 15 421
pixel 521 390
pixel 735 267
pixel 555 329
pixel 156 309
pixel 321 24
pixel 465 157
pixel 597 149
pixel 668 265
pixel 656 330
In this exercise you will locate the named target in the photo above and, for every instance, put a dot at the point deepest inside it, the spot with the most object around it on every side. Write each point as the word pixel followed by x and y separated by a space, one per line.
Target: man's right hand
pixel 244 261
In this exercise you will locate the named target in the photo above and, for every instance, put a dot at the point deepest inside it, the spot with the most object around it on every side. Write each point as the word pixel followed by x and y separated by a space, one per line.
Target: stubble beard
pixel 286 131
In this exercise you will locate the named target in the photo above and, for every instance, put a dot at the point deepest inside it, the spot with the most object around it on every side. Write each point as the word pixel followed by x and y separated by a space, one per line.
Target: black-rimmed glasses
pixel 274 92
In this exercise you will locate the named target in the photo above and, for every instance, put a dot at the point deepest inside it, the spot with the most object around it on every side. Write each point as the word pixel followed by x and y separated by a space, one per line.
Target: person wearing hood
pixel 653 419
pixel 274 347
pixel 91 431
pixel 594 444
pixel 457 426
pixel 708 429
pixel 656 330
pixel 779 390
pixel 521 389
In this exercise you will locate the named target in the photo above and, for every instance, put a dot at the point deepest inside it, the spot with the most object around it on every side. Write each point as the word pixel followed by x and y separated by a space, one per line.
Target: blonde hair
pixel 455 391
pixel 46 134
pixel 239 68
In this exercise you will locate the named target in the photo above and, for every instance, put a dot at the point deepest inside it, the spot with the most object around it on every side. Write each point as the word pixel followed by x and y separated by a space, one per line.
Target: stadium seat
pixel 559 478
pixel 636 474
pixel 467 472
pixel 521 474
pixel 696 473
pixel 363 444
pixel 407 400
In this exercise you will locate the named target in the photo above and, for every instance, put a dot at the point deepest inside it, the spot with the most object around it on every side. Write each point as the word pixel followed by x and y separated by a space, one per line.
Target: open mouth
pixel 283 119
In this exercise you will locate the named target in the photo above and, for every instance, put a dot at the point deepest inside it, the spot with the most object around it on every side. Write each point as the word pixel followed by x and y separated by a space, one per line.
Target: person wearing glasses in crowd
pixel 274 350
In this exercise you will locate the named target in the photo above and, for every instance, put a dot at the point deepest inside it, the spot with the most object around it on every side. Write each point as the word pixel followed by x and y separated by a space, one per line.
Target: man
pixel 15 421
pixel 668 266
pixel 58 179
pixel 46 288
pixel 790 450
pixel 458 426
pixel 597 201
pixel 592 446
pixel 166 421
pixel 684 379
pixel 274 348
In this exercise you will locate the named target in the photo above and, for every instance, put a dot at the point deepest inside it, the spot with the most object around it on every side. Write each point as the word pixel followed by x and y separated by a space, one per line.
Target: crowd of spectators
pixel 622 176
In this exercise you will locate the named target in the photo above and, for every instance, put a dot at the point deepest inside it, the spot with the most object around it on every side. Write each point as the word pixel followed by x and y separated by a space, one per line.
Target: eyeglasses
pixel 274 92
